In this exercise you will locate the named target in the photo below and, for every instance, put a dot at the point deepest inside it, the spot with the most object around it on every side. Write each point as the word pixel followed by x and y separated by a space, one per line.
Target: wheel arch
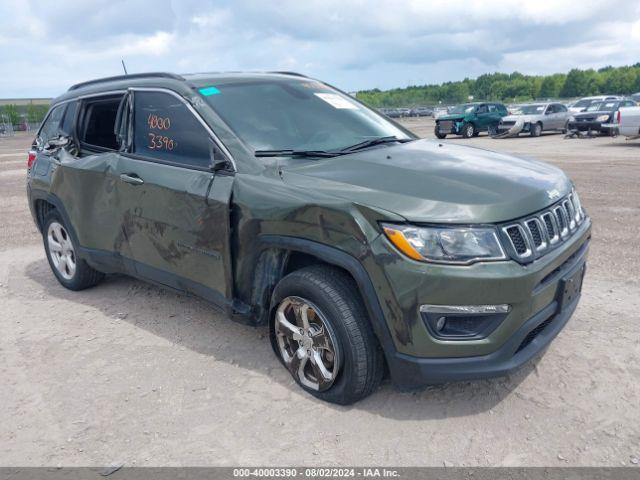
pixel 283 254
pixel 44 202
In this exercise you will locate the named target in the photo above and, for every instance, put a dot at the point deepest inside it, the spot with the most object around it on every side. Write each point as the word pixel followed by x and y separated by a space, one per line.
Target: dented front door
pixel 177 224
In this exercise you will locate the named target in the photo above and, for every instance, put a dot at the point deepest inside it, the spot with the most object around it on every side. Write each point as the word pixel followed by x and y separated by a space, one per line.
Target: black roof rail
pixel 132 76
pixel 295 74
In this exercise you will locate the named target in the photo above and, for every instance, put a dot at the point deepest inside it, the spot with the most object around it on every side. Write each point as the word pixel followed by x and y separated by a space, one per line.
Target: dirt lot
pixel 129 373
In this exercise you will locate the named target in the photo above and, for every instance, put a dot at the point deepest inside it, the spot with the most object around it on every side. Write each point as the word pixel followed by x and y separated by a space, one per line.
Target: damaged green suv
pixel 289 204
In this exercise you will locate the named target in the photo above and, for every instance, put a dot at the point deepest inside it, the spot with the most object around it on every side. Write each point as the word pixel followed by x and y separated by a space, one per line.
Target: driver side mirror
pixel 218 160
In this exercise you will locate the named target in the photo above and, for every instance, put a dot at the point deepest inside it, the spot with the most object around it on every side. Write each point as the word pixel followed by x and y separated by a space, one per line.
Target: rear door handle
pixel 131 178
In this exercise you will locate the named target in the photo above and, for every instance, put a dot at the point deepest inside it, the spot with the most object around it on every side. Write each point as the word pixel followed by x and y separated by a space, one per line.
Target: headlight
pixel 462 245
pixel 602 118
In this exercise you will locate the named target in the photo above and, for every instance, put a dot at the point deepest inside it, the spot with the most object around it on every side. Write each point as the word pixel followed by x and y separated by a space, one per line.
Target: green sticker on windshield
pixel 207 91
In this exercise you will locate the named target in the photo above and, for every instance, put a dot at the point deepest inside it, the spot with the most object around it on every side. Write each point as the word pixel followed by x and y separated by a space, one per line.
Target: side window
pixel 69 117
pixel 550 109
pixel 166 130
pixel 560 108
pixel 51 127
pixel 98 122
pixel 492 108
pixel 482 109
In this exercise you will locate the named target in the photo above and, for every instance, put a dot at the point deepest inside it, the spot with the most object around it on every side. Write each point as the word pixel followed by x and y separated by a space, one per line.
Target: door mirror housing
pixel 218 160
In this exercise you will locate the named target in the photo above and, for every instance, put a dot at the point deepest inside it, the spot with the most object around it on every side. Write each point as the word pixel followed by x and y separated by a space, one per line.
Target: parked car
pixel 439 111
pixel 292 205
pixel 582 104
pixel 598 117
pixel 421 112
pixel 627 121
pixel 469 119
pixel 534 119
pixel 636 97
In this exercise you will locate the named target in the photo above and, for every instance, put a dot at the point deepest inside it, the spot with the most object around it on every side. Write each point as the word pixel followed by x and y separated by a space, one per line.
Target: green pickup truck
pixel 288 204
pixel 469 119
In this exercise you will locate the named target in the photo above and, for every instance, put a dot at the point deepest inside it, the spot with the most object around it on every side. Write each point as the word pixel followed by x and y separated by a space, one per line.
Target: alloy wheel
pixel 61 251
pixel 307 343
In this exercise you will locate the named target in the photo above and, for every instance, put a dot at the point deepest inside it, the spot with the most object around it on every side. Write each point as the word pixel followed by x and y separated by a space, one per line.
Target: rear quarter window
pixel 51 126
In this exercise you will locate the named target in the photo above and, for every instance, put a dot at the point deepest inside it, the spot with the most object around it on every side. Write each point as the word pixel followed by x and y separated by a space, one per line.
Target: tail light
pixel 31 159
pixel 619 116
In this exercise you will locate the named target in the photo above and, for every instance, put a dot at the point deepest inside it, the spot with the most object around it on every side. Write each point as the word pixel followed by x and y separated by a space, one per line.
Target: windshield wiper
pixel 295 153
pixel 375 141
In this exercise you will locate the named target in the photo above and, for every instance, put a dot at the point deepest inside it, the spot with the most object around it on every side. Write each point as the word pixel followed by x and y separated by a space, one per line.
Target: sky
pixel 46 46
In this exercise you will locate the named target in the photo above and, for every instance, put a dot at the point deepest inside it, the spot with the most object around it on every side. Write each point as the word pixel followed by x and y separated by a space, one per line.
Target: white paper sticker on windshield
pixel 336 101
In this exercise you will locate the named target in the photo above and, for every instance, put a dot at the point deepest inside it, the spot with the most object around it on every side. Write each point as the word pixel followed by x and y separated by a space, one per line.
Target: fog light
pixel 463 322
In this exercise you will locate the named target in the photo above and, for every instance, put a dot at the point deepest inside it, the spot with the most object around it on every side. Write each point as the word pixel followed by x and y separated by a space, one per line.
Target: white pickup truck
pixel 629 122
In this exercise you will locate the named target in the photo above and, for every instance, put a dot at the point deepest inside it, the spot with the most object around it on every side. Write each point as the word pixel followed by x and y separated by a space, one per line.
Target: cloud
pixel 46 46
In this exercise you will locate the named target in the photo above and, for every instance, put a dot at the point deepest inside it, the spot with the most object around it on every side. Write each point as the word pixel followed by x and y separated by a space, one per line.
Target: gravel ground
pixel 127 373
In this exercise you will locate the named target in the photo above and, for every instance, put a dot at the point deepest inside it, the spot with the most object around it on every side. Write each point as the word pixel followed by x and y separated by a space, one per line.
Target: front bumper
pixel 529 340
pixel 532 290
pixel 588 126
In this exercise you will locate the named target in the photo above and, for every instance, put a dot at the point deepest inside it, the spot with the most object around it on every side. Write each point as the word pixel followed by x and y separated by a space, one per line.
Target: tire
pixel 71 271
pixel 338 330
pixel 565 130
pixel 438 134
pixel 492 130
pixel 468 130
pixel 536 130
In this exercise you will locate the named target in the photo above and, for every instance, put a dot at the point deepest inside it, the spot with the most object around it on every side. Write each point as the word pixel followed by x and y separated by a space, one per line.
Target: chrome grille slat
pixel 534 235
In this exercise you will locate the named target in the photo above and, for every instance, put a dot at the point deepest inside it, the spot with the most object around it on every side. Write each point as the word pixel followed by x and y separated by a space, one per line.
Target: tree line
pixel 17 114
pixel 514 87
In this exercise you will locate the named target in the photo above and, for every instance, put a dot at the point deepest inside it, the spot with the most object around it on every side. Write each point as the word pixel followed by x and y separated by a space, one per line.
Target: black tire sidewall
pixel 84 275
pixel 536 130
pixel 342 391
pixel 438 133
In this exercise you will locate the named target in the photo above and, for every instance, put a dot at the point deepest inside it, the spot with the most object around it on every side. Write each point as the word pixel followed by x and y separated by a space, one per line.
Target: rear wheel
pixel 492 130
pixel 468 130
pixel 439 134
pixel 321 333
pixel 536 130
pixel 62 253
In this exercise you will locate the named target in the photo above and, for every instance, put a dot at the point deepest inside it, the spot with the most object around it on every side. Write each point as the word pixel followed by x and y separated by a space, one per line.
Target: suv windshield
pixel 583 103
pixel 295 114
pixel 462 108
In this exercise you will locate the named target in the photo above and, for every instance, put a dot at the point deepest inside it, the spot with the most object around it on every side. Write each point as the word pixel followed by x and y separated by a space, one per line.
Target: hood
pixel 515 118
pixel 592 114
pixel 428 181
pixel 451 116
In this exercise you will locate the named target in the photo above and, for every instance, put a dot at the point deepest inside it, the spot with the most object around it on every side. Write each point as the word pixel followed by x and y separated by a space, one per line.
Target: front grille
pixel 533 236
pixel 445 126
pixel 534 333
pixel 517 239
pixel 536 234
pixel 508 124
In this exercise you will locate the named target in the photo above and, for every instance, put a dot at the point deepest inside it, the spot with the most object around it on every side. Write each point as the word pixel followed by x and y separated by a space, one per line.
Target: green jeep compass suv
pixel 290 204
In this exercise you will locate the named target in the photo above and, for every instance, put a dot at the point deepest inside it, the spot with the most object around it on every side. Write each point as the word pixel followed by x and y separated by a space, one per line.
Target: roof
pixel 183 82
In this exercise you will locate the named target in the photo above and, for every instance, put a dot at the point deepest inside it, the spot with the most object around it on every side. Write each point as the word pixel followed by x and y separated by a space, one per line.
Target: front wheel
pixel 438 133
pixel 62 253
pixel 536 130
pixel 321 333
pixel 468 130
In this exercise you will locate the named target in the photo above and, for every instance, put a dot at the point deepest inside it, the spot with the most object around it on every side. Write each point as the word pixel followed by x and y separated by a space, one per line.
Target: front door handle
pixel 131 178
